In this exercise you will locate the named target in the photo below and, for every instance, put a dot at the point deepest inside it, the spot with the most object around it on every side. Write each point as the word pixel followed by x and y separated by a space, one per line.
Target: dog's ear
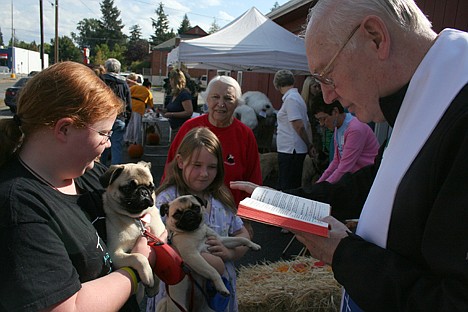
pixel 200 201
pixel 164 210
pixel 144 163
pixel 110 175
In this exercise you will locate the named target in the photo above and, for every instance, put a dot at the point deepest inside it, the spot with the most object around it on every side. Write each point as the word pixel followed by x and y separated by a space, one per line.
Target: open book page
pixel 285 210
pixel 291 205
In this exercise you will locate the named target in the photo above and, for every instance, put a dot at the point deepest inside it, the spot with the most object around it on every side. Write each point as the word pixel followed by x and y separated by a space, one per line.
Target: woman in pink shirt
pixel 355 143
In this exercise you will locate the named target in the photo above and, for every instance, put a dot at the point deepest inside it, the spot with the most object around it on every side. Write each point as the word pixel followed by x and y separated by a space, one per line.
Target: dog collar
pixel 142 221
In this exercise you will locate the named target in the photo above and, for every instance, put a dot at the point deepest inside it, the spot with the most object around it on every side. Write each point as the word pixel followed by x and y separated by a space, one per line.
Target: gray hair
pixel 112 65
pixel 228 81
pixel 283 78
pixel 342 16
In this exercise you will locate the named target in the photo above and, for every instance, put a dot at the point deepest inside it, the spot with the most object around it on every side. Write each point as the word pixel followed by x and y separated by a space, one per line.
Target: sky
pixel 26 15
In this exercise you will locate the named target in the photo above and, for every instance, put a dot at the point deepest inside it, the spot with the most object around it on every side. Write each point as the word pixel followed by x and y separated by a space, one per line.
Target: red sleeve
pixel 254 169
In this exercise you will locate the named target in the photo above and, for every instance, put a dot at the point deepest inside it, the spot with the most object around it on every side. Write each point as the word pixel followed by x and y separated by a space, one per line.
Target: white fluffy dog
pixel 259 102
pixel 246 115
pixel 256 104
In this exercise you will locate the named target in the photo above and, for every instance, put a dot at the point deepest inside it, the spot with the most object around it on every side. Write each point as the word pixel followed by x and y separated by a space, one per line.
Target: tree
pixel 137 48
pixel 184 25
pixel 47 48
pixel 137 51
pixel 135 33
pixel 1 37
pixel 101 54
pixel 111 25
pixel 15 41
pixel 27 46
pixel 214 27
pixel 275 6
pixel 89 33
pixel 161 27
pixel 68 51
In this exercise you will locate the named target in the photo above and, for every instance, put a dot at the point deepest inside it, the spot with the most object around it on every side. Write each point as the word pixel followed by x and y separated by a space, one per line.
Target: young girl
pixel 198 169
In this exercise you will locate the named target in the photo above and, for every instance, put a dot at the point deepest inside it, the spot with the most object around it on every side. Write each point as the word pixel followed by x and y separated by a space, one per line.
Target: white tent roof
pixel 252 42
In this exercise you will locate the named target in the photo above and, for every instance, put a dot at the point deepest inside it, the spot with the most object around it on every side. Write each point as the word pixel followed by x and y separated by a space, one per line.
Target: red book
pixel 284 210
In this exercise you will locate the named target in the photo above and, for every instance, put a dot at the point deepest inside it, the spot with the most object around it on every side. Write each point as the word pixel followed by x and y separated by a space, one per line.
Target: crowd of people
pixel 370 60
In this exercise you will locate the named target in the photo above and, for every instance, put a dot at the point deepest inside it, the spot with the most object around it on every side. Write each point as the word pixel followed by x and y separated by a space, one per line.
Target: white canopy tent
pixel 252 42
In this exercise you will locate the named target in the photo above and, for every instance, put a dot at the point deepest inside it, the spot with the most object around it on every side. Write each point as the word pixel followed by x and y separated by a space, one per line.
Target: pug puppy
pixel 129 197
pixel 189 232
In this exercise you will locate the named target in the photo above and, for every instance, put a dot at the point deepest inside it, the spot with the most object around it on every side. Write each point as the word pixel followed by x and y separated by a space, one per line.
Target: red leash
pixel 173 270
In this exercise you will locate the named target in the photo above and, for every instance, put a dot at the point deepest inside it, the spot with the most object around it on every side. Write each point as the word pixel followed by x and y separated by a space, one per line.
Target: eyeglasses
pixel 106 135
pixel 322 119
pixel 319 77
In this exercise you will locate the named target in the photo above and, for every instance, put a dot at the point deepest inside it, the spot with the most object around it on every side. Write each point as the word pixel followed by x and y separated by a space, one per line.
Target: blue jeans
pixel 116 144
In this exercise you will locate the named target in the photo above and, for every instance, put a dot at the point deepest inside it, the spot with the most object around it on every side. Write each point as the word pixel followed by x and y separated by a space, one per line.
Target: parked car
pixel 11 94
pixel 139 80
pixel 203 81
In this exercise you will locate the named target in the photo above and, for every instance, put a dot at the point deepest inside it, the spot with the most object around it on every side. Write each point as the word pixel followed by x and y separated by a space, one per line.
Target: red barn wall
pixel 446 13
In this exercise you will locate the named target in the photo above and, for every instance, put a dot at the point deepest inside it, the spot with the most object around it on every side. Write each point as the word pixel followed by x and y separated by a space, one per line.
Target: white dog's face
pixel 184 214
pixel 131 188
pixel 259 102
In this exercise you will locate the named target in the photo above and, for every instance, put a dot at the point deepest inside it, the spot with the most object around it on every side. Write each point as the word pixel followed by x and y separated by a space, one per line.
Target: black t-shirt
pixel 176 106
pixel 49 246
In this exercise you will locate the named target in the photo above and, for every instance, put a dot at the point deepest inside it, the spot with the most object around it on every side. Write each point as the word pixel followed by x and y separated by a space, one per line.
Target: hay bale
pixel 302 284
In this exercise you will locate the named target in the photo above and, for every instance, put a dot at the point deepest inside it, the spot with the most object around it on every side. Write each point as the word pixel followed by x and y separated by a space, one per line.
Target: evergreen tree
pixel 275 6
pixel 15 41
pixel 184 26
pixel 33 46
pixel 111 25
pixel 137 48
pixel 135 33
pixel 214 27
pixel 161 27
pixel 1 37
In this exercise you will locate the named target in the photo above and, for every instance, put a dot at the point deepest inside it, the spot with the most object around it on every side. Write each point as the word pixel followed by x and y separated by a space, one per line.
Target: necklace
pixel 37 175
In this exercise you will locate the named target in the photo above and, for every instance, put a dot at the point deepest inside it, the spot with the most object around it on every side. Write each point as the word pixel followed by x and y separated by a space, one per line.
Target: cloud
pixel 132 12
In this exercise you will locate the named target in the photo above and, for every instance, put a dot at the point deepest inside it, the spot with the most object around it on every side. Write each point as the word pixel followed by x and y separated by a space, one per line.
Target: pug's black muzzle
pixel 189 219
pixel 140 199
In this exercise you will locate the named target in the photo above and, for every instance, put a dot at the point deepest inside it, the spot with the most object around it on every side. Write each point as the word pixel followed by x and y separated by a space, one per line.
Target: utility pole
pixel 13 75
pixel 42 33
pixel 56 52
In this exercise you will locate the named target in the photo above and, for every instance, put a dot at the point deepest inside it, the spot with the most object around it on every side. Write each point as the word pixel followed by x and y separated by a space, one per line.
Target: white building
pixel 23 61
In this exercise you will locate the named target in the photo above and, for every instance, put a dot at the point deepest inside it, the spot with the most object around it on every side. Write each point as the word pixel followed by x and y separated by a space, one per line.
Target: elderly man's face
pixel 354 83
pixel 221 103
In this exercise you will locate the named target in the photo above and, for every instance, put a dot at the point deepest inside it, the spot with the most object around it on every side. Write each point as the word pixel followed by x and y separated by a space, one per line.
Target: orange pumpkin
pixel 153 138
pixel 135 150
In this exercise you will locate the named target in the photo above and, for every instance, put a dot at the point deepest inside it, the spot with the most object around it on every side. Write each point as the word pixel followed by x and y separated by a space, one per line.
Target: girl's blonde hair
pixel 189 148
pixel 63 90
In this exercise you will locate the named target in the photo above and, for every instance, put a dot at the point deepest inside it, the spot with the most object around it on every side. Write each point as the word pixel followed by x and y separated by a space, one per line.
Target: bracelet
pixel 133 276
